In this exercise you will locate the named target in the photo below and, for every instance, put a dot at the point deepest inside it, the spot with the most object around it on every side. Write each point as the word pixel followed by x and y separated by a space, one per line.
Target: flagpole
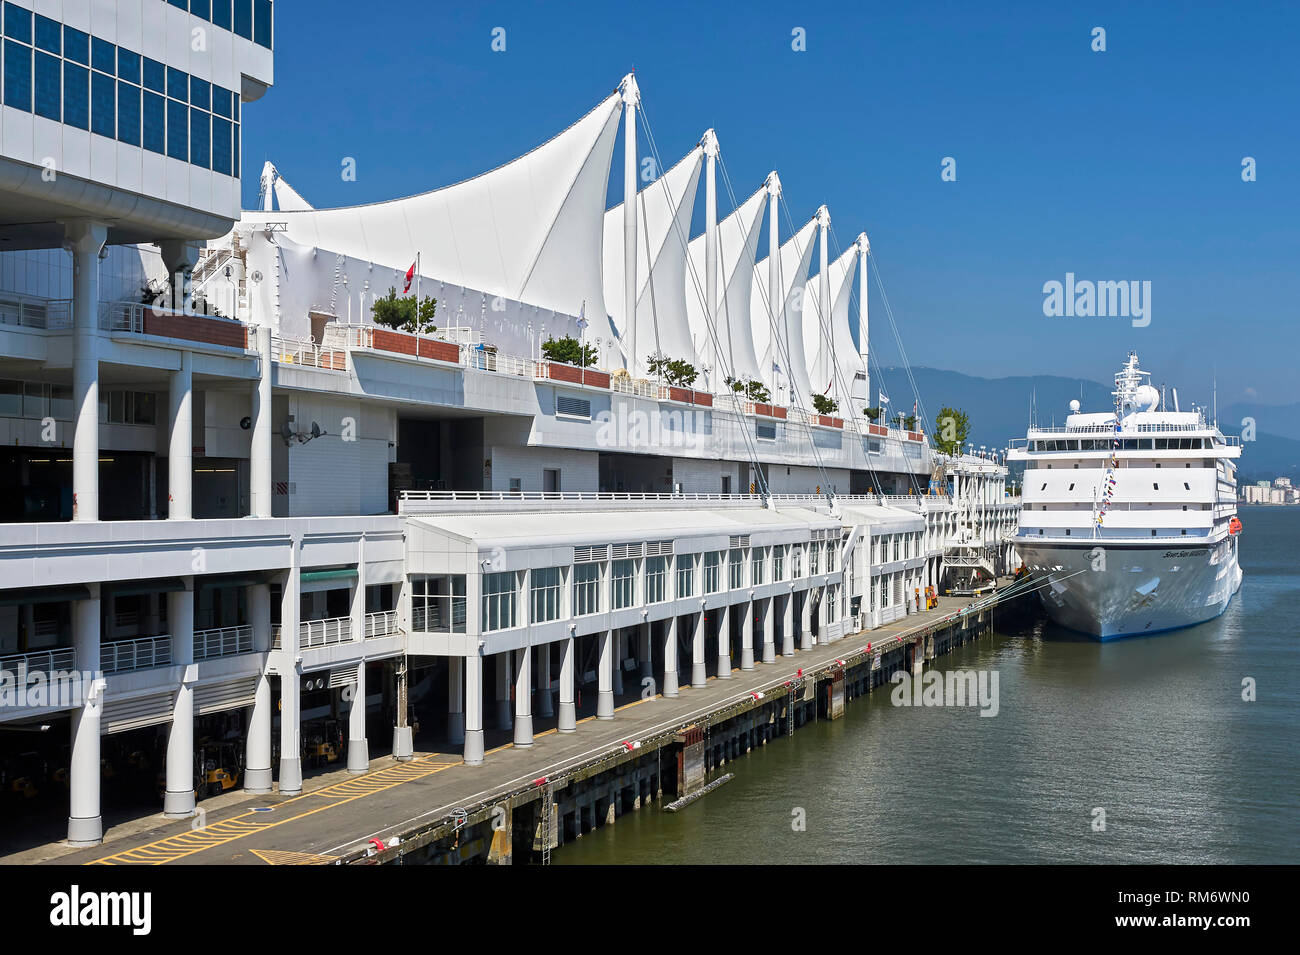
pixel 417 291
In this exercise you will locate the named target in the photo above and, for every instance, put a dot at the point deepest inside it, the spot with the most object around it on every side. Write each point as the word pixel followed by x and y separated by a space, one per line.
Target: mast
pixel 864 248
pixel 631 99
pixel 824 287
pixel 775 306
pixel 710 143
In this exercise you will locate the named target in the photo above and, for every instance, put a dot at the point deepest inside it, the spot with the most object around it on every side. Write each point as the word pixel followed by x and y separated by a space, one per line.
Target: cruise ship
pixel 1130 514
pixel 273 533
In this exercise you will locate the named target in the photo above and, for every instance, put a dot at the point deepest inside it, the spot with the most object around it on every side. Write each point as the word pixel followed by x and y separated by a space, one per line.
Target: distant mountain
pixel 999 411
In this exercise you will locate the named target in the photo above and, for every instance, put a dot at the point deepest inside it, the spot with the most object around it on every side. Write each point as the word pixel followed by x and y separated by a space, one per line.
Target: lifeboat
pixel 1234 526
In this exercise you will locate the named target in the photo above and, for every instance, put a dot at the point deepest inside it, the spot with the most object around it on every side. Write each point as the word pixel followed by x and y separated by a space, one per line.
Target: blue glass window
pixel 128 114
pixel 178 85
pixel 200 138
pixel 18 23
pixel 103 105
pixel 76 96
pixel 18 71
pixel 49 35
pixel 155 123
pixel 103 56
pixel 76 46
pixel 244 18
pixel 200 93
pixel 221 143
pixel 183 4
pixel 236 158
pixel 199 8
pixel 155 76
pixel 236 107
pixel 128 66
pixel 49 87
pixel 262 24
pixel 178 140
pixel 221 14
pixel 221 101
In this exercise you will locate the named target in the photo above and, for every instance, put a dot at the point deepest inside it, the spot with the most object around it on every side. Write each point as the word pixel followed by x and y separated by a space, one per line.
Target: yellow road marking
pixel 282 857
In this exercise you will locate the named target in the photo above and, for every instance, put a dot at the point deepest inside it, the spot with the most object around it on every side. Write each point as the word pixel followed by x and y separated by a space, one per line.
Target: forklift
pixel 22 777
pixel 218 767
pixel 325 745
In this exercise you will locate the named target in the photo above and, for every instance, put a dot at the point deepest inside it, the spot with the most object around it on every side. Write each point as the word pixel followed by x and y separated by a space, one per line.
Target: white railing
pixel 222 642
pixel 483 359
pixel 381 624
pixel 140 653
pixel 122 316
pixel 640 387
pixel 30 311
pixel 318 633
pixel 40 661
pixel 295 351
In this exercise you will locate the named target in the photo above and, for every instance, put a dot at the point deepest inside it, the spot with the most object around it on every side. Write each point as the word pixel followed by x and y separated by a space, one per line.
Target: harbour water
pixel 1152 730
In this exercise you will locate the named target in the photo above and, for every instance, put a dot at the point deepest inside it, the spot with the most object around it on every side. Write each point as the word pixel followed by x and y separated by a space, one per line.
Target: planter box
pixel 878 430
pixel 195 328
pixel 702 398
pixel 577 376
pixel 397 342
pixel 679 394
pixel 915 436
pixel 439 351
pixel 826 421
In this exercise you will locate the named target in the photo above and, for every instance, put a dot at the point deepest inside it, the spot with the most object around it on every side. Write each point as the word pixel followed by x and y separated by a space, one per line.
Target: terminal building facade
pixel 271 533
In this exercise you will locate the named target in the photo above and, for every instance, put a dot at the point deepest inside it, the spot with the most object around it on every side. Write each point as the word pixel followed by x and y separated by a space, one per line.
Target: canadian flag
pixel 410 276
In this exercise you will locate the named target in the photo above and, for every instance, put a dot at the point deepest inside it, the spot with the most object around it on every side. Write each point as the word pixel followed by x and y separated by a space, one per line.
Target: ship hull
pixel 1111 591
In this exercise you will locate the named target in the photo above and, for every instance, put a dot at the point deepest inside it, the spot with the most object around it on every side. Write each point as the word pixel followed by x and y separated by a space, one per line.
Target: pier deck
pixel 336 819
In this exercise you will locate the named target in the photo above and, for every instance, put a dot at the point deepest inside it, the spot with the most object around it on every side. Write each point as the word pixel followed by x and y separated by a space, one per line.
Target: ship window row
pixel 82 81
pixel 30 399
pixel 252 19
pixel 1125 444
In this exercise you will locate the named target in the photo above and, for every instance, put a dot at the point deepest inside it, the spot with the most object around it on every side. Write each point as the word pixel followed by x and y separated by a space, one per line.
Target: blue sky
pixel 1117 165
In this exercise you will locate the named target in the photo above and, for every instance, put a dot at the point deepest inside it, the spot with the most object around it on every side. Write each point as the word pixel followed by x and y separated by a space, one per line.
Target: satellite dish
pixel 1147 395
pixel 286 431
pixel 1074 405
pixel 245 422
pixel 315 430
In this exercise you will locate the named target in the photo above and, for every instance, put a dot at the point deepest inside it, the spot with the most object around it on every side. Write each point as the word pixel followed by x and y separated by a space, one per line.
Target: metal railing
pixel 483 359
pixel 40 661
pixel 30 311
pixel 318 633
pixel 222 642
pixel 295 351
pixel 381 624
pixel 140 653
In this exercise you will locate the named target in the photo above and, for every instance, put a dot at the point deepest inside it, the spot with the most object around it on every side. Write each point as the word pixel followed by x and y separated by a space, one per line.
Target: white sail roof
pixel 288 198
pixel 663 224
pixel 823 355
pixel 737 245
pixel 529 231
pixel 787 313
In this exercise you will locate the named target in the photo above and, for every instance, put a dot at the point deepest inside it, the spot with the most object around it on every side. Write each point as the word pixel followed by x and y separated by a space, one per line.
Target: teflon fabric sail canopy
pixel 737 246
pixel 827 358
pixel 663 222
pixel 529 231
pixel 788 354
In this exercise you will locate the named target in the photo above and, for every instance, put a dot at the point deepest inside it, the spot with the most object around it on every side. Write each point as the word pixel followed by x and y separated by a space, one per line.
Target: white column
pixel 864 247
pixel 776 307
pixel 747 635
pixel 670 658
pixel 618 663
pixel 85 824
pixel 605 674
pixel 724 642
pixel 567 719
pixel 645 654
pixel 85 239
pixel 473 710
pixel 456 699
pixel 358 745
pixel 505 714
pixel 699 672
pixel 178 800
pixel 805 621
pixel 257 757
pixel 824 301
pixel 524 696
pixel 545 702
pixel 710 353
pixel 259 470
pixel 291 677
pixel 631 99
pixel 180 444
pixel 769 629
pixel 788 626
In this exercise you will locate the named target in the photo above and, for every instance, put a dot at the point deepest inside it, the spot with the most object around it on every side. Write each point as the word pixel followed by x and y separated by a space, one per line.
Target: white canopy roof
pixel 824 355
pixel 792 272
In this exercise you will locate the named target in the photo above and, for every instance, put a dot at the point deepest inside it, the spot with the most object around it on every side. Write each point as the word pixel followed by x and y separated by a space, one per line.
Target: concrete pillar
pixel 918 657
pixel 180 441
pixel 257 756
pixel 545 701
pixel 568 721
pixel 805 621
pixel 724 642
pixel 358 745
pixel 85 240
pixel 85 823
pixel 618 663
pixel 524 696
pixel 787 627
pixel 456 699
pixel 670 658
pixel 768 611
pixel 645 655
pixel 291 679
pixel 748 608
pixel 699 672
pixel 605 674
pixel 178 800
pixel 473 710
pixel 259 470
pixel 505 714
